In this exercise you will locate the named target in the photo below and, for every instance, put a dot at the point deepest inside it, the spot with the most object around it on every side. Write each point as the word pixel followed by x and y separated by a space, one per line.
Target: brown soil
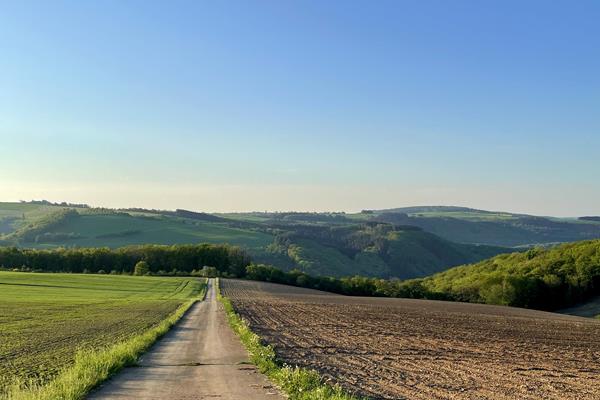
pixel 420 349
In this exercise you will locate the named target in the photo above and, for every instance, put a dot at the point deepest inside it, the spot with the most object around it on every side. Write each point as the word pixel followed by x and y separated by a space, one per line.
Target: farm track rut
pixel 419 349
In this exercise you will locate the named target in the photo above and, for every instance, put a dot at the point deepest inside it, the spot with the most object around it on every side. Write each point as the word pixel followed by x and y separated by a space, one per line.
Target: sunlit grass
pixel 61 334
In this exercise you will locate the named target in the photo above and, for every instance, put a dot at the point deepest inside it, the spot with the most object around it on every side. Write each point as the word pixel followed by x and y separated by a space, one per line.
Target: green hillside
pixel 456 224
pixel 14 216
pixel 465 225
pixel 539 278
pixel 372 249
pixel 332 244
pixel 36 226
pixel 115 230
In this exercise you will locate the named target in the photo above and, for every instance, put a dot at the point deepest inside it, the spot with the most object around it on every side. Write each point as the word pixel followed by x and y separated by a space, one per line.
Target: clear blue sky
pixel 278 105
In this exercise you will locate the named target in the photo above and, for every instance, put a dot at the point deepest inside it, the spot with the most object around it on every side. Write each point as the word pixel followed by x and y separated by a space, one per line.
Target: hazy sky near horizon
pixel 304 105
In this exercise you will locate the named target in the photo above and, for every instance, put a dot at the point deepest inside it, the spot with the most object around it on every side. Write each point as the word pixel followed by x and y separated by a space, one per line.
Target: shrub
pixel 141 268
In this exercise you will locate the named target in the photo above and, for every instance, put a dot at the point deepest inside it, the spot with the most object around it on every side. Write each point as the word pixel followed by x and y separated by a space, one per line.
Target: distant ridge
pixel 417 209
pixel 402 242
pixel 594 219
pixel 446 209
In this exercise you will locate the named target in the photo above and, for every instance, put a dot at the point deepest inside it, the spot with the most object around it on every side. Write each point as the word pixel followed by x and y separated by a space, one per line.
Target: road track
pixel 200 358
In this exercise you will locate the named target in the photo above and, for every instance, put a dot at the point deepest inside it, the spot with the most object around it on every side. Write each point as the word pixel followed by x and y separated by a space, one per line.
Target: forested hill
pixel 370 249
pixel 545 279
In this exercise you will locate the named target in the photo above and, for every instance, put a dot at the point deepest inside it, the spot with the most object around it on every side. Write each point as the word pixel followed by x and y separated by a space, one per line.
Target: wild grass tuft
pixel 298 383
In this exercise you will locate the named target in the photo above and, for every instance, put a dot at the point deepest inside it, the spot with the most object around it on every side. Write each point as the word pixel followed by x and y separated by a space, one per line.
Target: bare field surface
pixel 589 309
pixel 420 349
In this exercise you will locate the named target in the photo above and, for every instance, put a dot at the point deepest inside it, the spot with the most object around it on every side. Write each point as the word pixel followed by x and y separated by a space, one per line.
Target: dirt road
pixel 200 358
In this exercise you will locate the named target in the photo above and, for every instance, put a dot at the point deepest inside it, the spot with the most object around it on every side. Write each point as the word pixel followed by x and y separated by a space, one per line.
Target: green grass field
pixel 46 318
pixel 118 229
pixel 96 230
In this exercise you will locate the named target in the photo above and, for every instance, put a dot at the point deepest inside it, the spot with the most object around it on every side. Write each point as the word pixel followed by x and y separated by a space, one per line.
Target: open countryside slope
pixel 320 244
pixel 37 226
pixel 46 318
pixel 200 358
pixel 466 225
pixel 419 349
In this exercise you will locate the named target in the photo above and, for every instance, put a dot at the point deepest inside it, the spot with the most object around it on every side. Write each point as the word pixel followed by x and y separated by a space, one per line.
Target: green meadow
pixel 119 230
pixel 45 319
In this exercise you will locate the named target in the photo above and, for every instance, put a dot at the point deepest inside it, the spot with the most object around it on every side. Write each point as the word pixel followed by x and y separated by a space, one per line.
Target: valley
pixel 400 243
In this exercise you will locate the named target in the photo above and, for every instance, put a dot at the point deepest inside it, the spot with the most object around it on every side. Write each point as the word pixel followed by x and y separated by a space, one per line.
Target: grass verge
pixel 298 383
pixel 92 367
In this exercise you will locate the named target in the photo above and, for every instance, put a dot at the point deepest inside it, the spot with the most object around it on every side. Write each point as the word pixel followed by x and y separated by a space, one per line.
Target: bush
pixel 141 268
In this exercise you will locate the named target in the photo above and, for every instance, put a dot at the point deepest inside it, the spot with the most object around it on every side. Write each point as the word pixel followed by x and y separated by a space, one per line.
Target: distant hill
pixel 593 219
pixel 397 243
pixel 465 225
pixel 372 249
pixel 43 226
pixel 433 209
pixel 333 244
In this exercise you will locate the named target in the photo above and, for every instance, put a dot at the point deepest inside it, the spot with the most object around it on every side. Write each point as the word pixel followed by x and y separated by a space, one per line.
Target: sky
pixel 302 105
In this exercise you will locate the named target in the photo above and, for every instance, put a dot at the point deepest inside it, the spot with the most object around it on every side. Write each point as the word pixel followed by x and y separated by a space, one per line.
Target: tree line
pixel 544 279
pixel 176 259
pixel 350 286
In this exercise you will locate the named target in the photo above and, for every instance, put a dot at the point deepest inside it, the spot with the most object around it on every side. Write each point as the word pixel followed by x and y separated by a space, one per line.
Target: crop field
pixel 119 230
pixel 46 318
pixel 420 349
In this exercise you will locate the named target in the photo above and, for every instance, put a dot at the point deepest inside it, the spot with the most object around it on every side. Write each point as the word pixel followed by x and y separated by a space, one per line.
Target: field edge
pixel 298 383
pixel 93 367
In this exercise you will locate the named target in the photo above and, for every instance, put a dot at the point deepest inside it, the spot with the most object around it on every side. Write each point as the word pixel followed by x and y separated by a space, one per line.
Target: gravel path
pixel 200 358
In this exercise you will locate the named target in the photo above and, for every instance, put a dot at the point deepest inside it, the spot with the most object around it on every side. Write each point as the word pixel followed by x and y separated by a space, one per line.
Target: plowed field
pixel 419 349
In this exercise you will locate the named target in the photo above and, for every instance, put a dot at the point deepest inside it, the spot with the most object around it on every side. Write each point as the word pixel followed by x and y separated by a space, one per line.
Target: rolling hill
pixel 373 249
pixel 466 225
pixel 396 243
pixel 323 244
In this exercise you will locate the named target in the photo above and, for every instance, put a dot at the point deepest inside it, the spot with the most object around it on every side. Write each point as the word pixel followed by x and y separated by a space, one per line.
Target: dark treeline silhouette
pixel 350 286
pixel 228 260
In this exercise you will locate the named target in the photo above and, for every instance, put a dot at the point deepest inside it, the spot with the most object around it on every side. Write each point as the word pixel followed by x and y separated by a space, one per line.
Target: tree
pixel 141 268
pixel 209 272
